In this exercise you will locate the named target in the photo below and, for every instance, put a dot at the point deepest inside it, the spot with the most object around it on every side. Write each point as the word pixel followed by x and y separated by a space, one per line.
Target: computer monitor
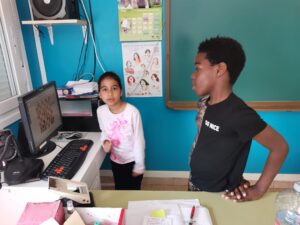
pixel 41 119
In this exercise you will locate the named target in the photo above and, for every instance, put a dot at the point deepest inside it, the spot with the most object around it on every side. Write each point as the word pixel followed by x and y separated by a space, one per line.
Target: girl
pixel 136 58
pixel 122 134
pixel 144 85
pixel 128 68
pixel 155 64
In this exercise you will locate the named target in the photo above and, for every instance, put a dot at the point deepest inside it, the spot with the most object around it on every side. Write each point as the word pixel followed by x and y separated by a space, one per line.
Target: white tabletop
pixel 89 169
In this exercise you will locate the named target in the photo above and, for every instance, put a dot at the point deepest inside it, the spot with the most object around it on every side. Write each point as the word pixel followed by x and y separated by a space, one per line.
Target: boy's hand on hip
pixel 251 193
pixel 239 192
pixel 107 145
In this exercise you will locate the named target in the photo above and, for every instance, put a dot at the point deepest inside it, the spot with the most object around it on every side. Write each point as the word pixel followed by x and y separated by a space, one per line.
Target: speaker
pixel 55 9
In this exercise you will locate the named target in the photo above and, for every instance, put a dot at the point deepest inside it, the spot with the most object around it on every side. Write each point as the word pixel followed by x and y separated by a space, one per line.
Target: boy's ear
pixel 222 69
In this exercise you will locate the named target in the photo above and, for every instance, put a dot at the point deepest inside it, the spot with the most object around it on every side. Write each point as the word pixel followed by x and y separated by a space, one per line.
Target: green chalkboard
pixel 269 31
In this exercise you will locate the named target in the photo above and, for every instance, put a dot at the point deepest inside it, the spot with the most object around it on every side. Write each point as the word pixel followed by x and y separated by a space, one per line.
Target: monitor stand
pixel 23 145
pixel 46 149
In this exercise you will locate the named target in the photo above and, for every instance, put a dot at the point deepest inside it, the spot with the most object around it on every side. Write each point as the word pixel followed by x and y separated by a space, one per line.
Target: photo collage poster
pixel 140 20
pixel 142 69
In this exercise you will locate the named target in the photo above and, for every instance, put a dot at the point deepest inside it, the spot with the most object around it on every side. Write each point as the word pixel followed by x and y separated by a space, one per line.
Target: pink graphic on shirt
pixel 115 134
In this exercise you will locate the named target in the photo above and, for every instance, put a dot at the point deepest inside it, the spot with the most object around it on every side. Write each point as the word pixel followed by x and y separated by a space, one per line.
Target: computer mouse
pixel 76 135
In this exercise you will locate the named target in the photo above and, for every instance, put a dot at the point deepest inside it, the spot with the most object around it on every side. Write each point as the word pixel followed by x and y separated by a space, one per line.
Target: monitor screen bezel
pixel 37 149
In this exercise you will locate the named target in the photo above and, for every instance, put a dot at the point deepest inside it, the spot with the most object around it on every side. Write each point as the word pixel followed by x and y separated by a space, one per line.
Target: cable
pixel 84 59
pixel 41 33
pixel 91 74
pixel 1 181
pixel 93 29
pixel 92 36
pixel 3 161
pixel 80 66
pixel 6 146
pixel 59 146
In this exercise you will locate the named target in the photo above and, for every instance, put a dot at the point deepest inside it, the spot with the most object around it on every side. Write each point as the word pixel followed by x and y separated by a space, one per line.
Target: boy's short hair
pixel 223 49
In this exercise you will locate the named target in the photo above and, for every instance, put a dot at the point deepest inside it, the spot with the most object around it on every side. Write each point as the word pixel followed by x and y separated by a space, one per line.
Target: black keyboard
pixel 69 160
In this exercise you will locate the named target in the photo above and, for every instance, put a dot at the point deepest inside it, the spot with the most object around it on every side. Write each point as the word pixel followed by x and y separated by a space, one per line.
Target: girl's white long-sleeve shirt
pixel 125 131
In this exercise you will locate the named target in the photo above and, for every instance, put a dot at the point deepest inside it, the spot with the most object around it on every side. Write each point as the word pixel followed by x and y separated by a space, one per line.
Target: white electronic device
pixel 74 190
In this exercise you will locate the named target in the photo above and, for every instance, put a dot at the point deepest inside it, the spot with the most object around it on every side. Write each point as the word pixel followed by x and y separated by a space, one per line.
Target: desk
pixel 89 171
pixel 222 212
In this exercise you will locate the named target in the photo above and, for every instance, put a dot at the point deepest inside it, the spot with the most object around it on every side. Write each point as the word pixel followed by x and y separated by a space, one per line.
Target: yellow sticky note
pixel 158 213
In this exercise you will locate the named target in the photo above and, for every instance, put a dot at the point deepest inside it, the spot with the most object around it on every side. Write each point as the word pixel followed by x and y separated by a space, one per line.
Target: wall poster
pixel 142 68
pixel 140 20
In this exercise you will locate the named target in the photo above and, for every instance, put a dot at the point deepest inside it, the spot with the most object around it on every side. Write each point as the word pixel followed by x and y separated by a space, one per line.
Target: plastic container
pixel 288 206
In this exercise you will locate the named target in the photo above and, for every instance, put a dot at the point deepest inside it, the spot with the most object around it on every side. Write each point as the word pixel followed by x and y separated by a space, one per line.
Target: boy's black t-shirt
pixel 220 155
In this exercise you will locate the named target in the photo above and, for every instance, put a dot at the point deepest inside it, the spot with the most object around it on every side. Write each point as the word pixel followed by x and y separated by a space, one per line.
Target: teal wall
pixel 169 133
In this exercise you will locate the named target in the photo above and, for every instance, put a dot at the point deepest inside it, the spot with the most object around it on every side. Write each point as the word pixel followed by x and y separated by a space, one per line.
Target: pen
pixel 192 215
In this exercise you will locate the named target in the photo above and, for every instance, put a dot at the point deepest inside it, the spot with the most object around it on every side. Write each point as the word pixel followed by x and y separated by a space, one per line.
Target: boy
pixel 226 127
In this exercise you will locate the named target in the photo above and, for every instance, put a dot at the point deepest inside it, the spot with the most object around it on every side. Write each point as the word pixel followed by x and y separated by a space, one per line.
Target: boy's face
pixel 205 75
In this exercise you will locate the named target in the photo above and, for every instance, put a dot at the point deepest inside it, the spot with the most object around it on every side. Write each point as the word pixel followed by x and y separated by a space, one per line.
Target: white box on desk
pixel 91 215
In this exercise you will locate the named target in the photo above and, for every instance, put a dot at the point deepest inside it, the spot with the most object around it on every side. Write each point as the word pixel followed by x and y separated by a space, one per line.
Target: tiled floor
pixel 177 184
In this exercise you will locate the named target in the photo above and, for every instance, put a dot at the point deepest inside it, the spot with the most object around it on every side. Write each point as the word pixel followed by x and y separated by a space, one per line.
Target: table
pixel 222 212
pixel 89 171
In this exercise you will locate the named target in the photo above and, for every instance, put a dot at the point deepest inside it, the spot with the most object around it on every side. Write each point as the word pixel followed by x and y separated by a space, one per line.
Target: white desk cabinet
pixel 89 171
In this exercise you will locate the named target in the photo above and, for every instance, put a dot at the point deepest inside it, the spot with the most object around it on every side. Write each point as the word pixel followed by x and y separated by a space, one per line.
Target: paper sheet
pixel 177 212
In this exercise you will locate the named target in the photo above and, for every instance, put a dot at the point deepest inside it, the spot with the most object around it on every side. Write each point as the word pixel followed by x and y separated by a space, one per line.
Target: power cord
pixel 1 180
pixel 93 29
pixel 3 159
pixel 92 36
pixel 84 47
pixel 84 74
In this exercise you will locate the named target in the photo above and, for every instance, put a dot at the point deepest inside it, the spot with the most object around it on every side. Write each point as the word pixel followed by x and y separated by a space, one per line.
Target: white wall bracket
pixel 50 23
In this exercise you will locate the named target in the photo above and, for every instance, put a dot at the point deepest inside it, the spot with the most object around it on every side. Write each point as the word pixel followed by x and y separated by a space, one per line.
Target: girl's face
pixel 155 61
pixel 110 92
pixel 143 83
pixel 136 57
pixel 147 53
pixel 128 64
pixel 130 80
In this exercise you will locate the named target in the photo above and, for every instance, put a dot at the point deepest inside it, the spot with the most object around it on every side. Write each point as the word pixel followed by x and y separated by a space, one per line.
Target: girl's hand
pixel 107 145
pixel 134 174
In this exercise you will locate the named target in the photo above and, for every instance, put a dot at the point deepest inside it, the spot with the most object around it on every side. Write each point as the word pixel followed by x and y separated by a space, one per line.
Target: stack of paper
pixel 82 87
pixel 89 87
pixel 166 212
pixel 72 83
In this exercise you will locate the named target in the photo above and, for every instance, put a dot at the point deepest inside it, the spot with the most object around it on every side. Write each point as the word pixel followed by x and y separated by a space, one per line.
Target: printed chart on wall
pixel 142 69
pixel 140 20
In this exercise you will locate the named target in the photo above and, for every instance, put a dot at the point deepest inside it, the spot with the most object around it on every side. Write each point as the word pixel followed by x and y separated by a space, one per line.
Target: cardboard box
pixel 92 215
